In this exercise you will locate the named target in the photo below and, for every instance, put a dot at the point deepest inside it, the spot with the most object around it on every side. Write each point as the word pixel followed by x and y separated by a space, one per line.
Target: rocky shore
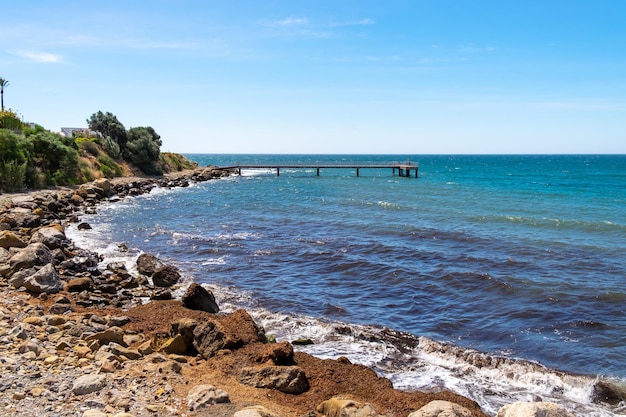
pixel 83 337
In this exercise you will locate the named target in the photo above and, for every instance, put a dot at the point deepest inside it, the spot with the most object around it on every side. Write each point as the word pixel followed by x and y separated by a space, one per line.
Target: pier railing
pixel 406 169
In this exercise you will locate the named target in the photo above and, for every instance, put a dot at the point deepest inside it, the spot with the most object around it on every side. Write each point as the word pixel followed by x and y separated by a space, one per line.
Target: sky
pixel 335 77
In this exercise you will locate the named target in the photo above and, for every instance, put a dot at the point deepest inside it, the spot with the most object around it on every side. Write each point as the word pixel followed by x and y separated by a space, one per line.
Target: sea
pixel 498 277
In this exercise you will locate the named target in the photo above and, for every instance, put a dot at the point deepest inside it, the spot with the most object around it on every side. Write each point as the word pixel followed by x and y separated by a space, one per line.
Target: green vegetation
pixel 33 157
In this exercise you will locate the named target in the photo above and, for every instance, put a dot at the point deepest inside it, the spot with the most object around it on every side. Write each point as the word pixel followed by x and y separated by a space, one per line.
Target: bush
pixel 9 120
pixel 88 145
pixel 56 157
pixel 109 167
pixel 13 161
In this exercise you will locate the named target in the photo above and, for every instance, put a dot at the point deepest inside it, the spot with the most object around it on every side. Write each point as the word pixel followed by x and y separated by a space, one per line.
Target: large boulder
pixel 228 332
pixel 52 237
pixel 198 298
pixel 46 280
pixel 537 409
pixel 35 254
pixel 10 240
pixel 147 264
pixel 442 409
pixel 166 276
pixel 104 185
pixel 287 379
pixel 23 217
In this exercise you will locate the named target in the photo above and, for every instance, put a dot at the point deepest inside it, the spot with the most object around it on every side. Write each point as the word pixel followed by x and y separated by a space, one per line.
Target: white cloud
pixel 362 22
pixel 290 22
pixel 41 57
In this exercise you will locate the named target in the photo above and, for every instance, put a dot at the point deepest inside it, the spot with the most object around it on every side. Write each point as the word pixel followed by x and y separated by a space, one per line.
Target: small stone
pixel 59 308
pixel 56 320
pixel 442 408
pixel 255 411
pixel 201 396
pixel 87 384
pixel 51 360
pixel 35 321
pixel 113 334
pixel 29 346
pixel 94 413
pixel 19 395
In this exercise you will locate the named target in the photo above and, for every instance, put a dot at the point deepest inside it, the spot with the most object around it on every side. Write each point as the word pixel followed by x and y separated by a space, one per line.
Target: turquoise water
pixel 517 256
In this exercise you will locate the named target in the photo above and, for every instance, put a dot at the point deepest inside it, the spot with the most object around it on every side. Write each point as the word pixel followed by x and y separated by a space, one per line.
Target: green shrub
pixel 109 167
pixel 9 120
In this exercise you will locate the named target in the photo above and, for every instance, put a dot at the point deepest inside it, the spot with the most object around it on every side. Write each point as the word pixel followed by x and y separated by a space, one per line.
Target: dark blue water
pixel 523 256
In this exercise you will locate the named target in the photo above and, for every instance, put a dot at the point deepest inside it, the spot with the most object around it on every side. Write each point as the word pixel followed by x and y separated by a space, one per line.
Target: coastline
pixel 30 318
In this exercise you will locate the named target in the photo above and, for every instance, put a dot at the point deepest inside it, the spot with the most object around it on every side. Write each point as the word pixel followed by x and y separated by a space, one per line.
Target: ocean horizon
pixel 499 277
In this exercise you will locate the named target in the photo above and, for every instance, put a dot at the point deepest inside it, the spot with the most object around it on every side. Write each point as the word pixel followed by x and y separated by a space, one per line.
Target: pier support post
pixel 277 172
pixel 357 172
pixel 318 172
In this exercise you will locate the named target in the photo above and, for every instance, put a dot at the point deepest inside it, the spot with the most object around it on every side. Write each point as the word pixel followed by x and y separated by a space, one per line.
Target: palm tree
pixel 3 83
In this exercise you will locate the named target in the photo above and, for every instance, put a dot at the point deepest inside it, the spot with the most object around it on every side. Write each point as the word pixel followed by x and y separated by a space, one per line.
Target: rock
pixel 52 237
pixel 287 379
pixel 339 407
pixel 166 276
pixel 29 346
pixel 537 409
pixel 117 321
pixel 442 409
pixel 302 342
pixel 607 392
pixel 104 185
pixel 254 411
pixel 10 240
pixel 80 284
pixel 35 254
pixel 45 280
pixel 175 345
pixel 278 353
pixel 119 350
pixel 60 308
pixel 201 396
pixel 94 412
pixel 87 384
pixel 4 255
pixel 83 226
pixel 112 334
pixel 230 332
pixel 18 278
pixel 198 298
pixel 161 294
pixel 185 327
pixel 147 264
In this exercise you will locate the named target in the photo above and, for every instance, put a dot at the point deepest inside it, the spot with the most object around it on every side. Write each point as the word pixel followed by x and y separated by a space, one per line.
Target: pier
pixel 407 169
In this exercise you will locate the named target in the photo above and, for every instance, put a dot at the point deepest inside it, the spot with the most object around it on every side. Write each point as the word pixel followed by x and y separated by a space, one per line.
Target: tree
pixel 143 149
pixel 108 126
pixel 3 83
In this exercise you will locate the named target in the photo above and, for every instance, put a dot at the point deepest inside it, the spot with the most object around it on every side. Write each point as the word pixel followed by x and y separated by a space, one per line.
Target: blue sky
pixel 341 76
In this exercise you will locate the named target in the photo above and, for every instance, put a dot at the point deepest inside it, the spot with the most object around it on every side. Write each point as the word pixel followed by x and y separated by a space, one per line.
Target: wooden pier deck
pixel 407 169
